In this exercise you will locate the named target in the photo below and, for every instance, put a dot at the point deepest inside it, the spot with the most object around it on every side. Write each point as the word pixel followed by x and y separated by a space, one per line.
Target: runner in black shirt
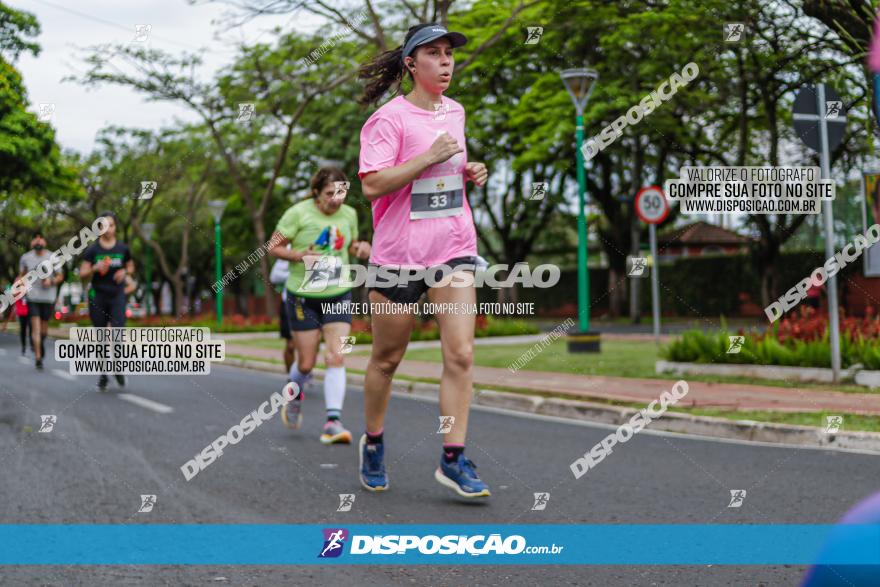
pixel 107 262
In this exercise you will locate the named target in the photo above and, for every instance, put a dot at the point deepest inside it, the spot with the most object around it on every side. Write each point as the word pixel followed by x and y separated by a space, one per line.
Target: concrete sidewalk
pixel 727 396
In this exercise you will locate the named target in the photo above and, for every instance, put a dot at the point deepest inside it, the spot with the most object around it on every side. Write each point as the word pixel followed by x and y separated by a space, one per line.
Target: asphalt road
pixel 107 449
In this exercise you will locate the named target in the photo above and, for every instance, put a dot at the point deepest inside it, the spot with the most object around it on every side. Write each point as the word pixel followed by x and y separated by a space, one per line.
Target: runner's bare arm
pixel 281 251
pixel 476 172
pixel 360 249
pixel 85 270
pixel 380 183
pixel 120 274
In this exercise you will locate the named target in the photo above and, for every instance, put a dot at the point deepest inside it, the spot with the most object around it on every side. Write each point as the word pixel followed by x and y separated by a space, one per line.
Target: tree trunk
pixel 162 288
pixel 617 284
pixel 633 282
pixel 264 269
pixel 240 297
pixel 506 294
pixel 177 286
pixel 765 289
pixel 743 141
pixel 769 275
pixel 634 223
pixel 501 292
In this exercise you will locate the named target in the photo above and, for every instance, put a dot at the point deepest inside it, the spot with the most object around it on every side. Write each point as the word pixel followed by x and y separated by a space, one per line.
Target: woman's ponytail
pixel 385 70
pixel 381 73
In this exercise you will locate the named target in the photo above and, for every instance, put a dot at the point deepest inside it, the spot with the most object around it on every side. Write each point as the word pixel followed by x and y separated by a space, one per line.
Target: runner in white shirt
pixel 41 295
pixel 278 276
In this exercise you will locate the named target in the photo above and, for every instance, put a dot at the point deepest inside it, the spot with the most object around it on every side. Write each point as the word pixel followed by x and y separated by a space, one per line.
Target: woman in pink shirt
pixel 24 322
pixel 413 168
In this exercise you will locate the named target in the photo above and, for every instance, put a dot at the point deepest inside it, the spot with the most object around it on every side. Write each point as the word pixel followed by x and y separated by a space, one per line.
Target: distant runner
pixel 107 262
pixel 322 233
pixel 278 276
pixel 41 296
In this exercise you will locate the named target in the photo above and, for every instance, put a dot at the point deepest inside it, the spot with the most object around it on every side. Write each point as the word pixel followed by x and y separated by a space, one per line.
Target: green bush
pixel 504 327
pixel 869 355
pixel 488 326
pixel 695 346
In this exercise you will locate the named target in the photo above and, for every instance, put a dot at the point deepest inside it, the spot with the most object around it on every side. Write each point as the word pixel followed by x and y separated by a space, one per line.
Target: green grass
pixel 617 359
pixel 254 358
pixel 265 343
pixel 851 422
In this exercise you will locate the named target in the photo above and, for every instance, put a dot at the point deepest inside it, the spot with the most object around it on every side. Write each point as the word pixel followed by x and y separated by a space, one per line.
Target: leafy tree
pixel 16 27
pixel 32 169
pixel 30 160
pixel 253 148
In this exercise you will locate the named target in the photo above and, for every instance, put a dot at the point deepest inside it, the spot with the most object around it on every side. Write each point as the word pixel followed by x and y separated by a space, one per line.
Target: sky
pixel 68 27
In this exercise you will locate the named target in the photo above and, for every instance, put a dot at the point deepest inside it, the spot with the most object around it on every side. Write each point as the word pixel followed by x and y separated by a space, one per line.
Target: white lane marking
pixel 24 360
pixel 63 374
pixel 145 403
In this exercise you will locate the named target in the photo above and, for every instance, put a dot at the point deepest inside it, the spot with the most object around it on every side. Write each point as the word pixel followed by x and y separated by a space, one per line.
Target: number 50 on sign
pixel 651 205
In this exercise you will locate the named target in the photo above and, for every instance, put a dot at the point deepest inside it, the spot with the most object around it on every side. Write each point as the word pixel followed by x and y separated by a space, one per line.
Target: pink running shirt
pixel 394 134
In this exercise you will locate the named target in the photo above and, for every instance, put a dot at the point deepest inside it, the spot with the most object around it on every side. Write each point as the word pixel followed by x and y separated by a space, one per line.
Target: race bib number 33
pixel 437 197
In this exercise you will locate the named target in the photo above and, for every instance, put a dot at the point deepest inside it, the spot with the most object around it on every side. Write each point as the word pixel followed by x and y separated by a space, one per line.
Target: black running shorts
pixel 313 313
pixel 413 290
pixel 43 310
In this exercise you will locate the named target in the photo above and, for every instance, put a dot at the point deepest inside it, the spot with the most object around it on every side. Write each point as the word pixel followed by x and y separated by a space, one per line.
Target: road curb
pixel 747 430
pixel 768 372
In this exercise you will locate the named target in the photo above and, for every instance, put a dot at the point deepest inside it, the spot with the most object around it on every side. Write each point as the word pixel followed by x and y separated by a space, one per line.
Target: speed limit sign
pixel 651 205
pixel 652 208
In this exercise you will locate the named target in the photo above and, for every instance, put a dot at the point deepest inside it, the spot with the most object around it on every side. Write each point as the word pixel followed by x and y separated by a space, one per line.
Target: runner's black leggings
pixel 107 308
pixel 24 330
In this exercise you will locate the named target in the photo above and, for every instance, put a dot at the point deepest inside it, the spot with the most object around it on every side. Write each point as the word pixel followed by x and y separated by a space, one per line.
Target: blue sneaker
pixel 372 465
pixel 460 476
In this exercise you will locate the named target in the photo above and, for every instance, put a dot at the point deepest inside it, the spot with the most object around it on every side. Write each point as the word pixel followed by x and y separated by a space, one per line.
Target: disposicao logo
pixel 432 544
pixel 334 542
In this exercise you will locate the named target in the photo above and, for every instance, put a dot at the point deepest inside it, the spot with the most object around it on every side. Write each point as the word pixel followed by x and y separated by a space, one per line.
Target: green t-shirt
pixel 304 224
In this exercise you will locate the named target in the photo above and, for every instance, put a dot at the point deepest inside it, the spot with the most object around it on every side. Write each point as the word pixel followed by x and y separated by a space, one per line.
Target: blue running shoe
pixel 372 465
pixel 460 476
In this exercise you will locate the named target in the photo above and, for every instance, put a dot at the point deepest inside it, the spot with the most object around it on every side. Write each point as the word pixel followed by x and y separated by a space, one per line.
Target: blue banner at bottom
pixel 271 544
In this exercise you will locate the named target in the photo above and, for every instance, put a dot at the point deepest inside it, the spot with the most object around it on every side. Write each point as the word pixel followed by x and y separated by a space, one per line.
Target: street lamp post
pixel 148 228
pixel 580 83
pixel 217 207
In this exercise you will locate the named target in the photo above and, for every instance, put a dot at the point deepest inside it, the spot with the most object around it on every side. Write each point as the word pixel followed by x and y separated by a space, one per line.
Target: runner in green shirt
pixel 322 233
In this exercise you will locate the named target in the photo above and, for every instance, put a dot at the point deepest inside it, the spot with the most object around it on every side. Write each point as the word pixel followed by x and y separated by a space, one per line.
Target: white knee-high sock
pixel 298 377
pixel 334 390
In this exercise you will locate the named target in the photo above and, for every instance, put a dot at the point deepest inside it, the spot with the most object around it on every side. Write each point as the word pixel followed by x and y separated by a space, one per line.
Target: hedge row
pixel 696 346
